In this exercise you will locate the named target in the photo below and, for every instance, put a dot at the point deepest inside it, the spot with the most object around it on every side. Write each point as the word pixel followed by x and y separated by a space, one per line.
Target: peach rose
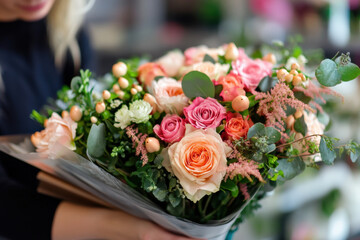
pixel 171 62
pixel 196 54
pixel 214 71
pixel 236 126
pixel 198 161
pixel 148 71
pixel 58 131
pixel 232 86
pixel 169 95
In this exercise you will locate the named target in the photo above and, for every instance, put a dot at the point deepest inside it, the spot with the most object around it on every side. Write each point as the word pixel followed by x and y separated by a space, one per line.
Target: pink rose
pixel 196 54
pixel 58 130
pixel 251 71
pixel 198 161
pixel 232 86
pixel 171 129
pixel 214 71
pixel 205 113
pixel 169 95
pixel 172 62
pixel 148 71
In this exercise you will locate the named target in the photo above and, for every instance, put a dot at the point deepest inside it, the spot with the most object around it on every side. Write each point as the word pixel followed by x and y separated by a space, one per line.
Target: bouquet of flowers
pixel 204 133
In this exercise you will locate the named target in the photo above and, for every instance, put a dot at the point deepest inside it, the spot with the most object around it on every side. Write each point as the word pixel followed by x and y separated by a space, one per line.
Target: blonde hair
pixel 63 23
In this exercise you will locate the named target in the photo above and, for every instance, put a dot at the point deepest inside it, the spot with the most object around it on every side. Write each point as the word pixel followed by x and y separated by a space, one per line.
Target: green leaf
pixel 302 97
pixel 270 148
pixel 272 134
pixel 297 51
pixel 300 126
pixel 327 155
pixel 160 194
pixel 175 198
pixel 75 83
pixel 290 168
pixel 208 58
pixel 96 140
pixel 255 129
pixel 37 117
pixel 197 84
pixel 218 89
pixel 267 83
pixel 349 71
pixel 327 73
pixel 355 155
pixel 231 186
pixel 323 118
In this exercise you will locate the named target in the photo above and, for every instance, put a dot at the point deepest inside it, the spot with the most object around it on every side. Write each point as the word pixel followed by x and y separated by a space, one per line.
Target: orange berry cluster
pixel 293 76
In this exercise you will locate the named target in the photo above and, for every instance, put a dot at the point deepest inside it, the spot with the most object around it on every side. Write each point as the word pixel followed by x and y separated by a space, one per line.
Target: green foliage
pixel 290 168
pixel 38 117
pixel 197 84
pixel 300 126
pixel 231 186
pixel 96 141
pixel 331 73
pixel 267 83
pixel 208 58
pixel 327 151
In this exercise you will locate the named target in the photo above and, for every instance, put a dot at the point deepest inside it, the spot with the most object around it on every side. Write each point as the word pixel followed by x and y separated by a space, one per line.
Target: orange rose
pixel 148 71
pixel 236 126
pixel 198 161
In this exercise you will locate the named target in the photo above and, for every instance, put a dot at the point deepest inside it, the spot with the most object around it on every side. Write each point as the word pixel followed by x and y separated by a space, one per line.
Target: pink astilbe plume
pixel 313 91
pixel 273 105
pixel 138 141
pixel 244 191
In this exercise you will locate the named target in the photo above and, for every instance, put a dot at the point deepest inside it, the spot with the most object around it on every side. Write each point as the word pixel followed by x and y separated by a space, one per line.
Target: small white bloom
pixel 140 111
pixel 115 103
pixel 122 117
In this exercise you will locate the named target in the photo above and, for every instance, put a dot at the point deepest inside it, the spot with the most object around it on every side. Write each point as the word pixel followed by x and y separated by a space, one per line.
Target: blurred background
pixel 318 204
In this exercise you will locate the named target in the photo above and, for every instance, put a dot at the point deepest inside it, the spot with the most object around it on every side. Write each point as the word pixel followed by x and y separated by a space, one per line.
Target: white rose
pixel 172 62
pixel 140 111
pixel 214 71
pixel 122 117
pixel 169 95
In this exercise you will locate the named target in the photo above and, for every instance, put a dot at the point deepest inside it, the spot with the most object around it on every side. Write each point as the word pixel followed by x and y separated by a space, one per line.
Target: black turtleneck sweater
pixel 28 78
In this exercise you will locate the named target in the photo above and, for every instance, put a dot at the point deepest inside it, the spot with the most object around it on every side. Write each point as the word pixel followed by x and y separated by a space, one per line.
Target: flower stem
pixel 289 143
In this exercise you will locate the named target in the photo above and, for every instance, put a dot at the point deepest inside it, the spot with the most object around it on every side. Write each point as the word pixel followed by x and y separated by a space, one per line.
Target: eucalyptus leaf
pixel 267 83
pixel 327 73
pixel 290 168
pixel 174 199
pixel 270 148
pixel 160 194
pixel 75 83
pixel 327 155
pixel 208 58
pixel 272 134
pixel 197 84
pixel 96 140
pixel 302 97
pixel 355 155
pixel 349 71
pixel 257 127
pixel 300 126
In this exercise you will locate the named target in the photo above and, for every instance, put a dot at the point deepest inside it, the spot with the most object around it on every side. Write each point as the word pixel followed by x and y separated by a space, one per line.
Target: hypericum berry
pixel 138 88
pixel 123 82
pixel 270 58
pixel 281 73
pixel 93 119
pixel 119 69
pixel 288 78
pixel 295 66
pixel 152 144
pixel 303 78
pixel 100 107
pixel 106 94
pixel 116 88
pixel 294 72
pixel 296 80
pixel 231 53
pixel 64 114
pixel 75 113
pixel 120 94
pixel 45 122
pixel 298 114
pixel 133 91
pixel 290 121
pixel 151 100
pixel 240 103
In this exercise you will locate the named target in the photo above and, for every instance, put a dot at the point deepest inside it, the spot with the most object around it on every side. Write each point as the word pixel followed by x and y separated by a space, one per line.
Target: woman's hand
pixel 73 221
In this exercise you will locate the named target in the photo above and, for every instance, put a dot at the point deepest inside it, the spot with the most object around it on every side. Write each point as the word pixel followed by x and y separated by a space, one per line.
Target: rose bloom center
pixel 199 159
pixel 252 70
pixel 171 91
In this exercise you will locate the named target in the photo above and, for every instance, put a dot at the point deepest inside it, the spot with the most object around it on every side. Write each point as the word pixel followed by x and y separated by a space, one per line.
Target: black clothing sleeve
pixel 24 214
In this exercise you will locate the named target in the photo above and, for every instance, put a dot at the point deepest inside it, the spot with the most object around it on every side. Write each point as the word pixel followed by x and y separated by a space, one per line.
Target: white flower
pixel 214 71
pixel 301 60
pixel 122 117
pixel 115 103
pixel 140 111
pixel 169 95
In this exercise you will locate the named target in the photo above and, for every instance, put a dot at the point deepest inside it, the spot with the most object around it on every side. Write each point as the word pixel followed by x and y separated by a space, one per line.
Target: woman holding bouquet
pixel 41 48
